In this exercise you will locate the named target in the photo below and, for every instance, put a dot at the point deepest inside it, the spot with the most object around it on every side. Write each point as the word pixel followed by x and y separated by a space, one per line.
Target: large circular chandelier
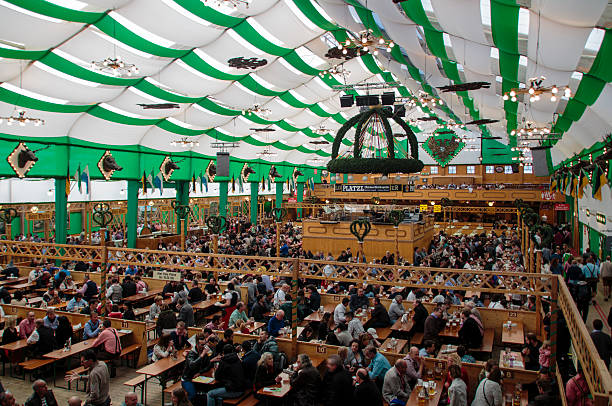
pixel 21 119
pixel 115 66
pixel 365 41
pixel 537 89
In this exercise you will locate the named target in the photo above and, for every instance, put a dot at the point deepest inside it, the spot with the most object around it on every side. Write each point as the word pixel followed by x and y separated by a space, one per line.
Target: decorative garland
pixel 357 164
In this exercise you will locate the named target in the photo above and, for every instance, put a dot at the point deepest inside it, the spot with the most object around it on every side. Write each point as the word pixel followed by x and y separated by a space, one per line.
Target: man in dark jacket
pixel 314 299
pixel 305 383
pixel 419 317
pixel 470 333
pixel 260 309
pixel 602 341
pixel 434 324
pixel 359 300
pixel 249 361
pixel 42 338
pixel 366 392
pixel 197 361
pixel 128 286
pixel 380 317
pixel 337 383
pixel 231 375
pixel 42 395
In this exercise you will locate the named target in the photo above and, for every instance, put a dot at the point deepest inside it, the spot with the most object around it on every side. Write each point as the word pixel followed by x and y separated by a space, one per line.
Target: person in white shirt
pixel 355 327
pixel 34 274
pixel 340 311
pixel 279 296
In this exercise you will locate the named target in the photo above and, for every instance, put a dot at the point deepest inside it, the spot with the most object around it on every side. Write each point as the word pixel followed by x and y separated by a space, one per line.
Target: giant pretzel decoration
pixel 102 215
pixel 181 210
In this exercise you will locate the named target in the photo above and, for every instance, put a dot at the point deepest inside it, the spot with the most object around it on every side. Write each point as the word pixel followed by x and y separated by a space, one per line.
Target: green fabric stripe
pixel 10 97
pixel 590 87
pixel 59 12
pixel 313 15
pixel 112 28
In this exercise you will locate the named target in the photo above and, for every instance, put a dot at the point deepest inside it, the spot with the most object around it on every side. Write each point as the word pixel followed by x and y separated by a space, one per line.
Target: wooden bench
pixel 238 400
pixel 383 333
pixel 137 382
pixel 487 342
pixel 416 339
pixel 169 390
pixel 34 364
pixel 131 351
pixel 249 401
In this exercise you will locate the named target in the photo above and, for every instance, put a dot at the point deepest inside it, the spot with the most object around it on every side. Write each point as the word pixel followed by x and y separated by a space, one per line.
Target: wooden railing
pixel 553 286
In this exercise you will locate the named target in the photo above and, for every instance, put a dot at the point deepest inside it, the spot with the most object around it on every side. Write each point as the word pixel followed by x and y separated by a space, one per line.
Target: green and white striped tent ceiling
pixel 181 48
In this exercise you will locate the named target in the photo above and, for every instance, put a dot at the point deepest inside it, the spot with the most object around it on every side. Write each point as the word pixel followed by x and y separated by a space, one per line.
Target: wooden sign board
pixel 38 216
pixel 167 276
pixel 119 210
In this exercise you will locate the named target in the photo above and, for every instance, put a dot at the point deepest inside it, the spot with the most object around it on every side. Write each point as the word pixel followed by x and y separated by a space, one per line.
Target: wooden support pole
pixel 294 305
pixel 278 239
pixel 554 294
pixel 183 235
pixel 103 267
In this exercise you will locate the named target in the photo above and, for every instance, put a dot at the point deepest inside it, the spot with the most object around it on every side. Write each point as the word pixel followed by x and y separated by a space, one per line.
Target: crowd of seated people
pixel 268 299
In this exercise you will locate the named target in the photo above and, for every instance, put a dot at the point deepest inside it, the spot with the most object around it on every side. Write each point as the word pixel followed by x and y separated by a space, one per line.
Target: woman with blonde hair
pixel 343 354
pixel 265 374
pixel 454 359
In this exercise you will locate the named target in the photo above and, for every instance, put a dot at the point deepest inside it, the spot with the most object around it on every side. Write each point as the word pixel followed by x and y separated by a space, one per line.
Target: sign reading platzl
pixel 167 276
pixel 547 195
pixel 562 207
pixel 367 188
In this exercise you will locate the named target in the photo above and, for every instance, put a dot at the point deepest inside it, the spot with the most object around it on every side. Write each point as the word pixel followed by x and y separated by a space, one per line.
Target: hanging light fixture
pixel 365 42
pixel 529 129
pixel 423 99
pixel 267 153
pixel 227 3
pixel 115 66
pixel 21 119
pixel 258 110
pixel 185 142
pixel 537 89
pixel 335 70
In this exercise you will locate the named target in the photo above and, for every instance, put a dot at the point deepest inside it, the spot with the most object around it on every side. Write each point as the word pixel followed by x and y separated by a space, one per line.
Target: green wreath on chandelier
pixel 383 165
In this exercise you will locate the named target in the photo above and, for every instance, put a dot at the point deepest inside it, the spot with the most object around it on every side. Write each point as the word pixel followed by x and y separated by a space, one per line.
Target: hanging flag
pixel 582 182
pixel 85 178
pixel 200 182
pixel 233 184
pixel 240 184
pixel 553 184
pixel 269 184
pixel 205 178
pixel 599 179
pixel 609 176
pixel 67 186
pixel 77 177
pixel 158 182
pixel 150 181
pixel 263 184
pixel 193 182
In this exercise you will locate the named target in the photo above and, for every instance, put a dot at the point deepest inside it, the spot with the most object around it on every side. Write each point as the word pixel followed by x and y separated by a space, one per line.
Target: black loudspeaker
pixel 223 161
pixel 362 100
pixel 373 100
pixel 346 100
pixel 399 110
pixel 515 168
pixel 388 98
